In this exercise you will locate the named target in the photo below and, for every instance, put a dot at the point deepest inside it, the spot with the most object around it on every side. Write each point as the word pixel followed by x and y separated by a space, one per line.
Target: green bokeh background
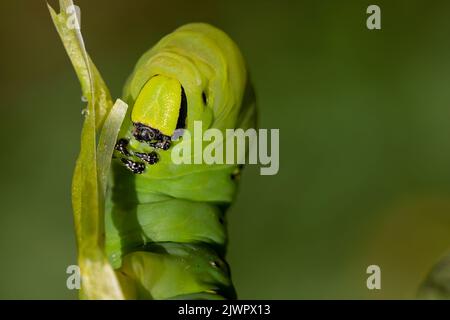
pixel 364 119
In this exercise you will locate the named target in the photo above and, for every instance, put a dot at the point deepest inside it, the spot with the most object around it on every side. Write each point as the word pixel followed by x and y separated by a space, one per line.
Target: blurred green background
pixel 364 119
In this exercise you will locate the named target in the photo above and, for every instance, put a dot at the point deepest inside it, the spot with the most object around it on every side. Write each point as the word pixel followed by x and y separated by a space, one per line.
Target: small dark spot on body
pixel 218 264
pixel 236 174
pixel 205 100
pixel 144 133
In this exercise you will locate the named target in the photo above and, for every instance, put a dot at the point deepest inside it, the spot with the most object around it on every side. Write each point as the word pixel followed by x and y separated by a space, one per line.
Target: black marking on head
pixel 135 167
pixel 205 100
pixel 145 133
pixel 121 146
pixel 181 122
pixel 163 144
pixel 152 136
pixel 150 158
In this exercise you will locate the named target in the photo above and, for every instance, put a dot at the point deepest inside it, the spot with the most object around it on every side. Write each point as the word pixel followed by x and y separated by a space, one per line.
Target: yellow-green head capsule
pixel 158 104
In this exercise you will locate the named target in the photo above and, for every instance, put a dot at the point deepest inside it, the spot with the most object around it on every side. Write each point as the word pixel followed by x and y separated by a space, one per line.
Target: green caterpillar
pixel 165 223
pixel 146 227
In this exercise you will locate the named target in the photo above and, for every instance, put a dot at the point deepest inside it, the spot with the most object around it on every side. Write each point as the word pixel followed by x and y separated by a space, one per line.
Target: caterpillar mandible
pixel 164 222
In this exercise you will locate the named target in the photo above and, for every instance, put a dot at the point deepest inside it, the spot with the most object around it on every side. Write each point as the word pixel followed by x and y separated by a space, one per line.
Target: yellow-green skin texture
pixel 165 228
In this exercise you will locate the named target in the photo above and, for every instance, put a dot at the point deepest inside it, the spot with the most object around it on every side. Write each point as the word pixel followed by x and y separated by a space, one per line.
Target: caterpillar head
pixel 195 74
pixel 158 111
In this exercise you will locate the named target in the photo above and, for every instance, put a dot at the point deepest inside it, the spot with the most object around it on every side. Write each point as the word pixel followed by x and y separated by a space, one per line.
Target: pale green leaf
pixel 99 280
pixel 107 140
pixel 67 26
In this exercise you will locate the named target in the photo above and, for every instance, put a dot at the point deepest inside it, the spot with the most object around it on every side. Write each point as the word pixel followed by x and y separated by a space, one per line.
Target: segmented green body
pixel 165 225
